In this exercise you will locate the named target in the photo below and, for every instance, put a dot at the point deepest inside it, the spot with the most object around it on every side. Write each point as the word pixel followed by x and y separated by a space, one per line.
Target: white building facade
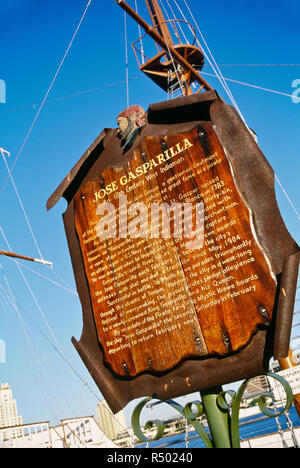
pixel 8 412
pixel 111 424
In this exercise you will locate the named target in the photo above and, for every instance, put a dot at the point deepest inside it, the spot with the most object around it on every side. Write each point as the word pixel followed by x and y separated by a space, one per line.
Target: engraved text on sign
pixel 159 297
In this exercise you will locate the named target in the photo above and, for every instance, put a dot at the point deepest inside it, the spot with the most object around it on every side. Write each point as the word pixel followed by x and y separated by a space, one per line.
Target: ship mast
pixel 158 20
pixel 25 257
pixel 176 66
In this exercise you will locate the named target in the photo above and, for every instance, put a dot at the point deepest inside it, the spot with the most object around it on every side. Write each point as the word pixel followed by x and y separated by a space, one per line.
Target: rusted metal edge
pixel 285 309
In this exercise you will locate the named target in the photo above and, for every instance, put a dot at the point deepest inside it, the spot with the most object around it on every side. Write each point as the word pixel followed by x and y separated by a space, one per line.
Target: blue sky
pixel 34 38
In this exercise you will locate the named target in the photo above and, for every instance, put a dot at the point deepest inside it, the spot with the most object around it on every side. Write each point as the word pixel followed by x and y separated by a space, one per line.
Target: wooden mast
pixel 24 257
pixel 158 20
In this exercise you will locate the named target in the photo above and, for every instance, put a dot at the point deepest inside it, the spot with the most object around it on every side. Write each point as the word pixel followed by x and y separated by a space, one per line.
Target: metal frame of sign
pixel 255 181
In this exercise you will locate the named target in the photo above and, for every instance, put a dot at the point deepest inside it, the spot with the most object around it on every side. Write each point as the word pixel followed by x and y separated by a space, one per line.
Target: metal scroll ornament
pixel 232 407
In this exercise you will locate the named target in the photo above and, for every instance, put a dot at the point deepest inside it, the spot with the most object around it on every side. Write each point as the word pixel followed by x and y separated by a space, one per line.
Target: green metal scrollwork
pixel 136 426
pixel 228 433
pixel 235 405
pixel 184 411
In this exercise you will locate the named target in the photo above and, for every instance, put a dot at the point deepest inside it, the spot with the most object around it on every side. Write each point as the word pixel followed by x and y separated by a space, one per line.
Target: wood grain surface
pixel 156 301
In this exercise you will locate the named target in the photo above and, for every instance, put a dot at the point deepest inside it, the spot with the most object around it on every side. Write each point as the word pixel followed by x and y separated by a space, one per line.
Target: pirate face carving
pixel 130 122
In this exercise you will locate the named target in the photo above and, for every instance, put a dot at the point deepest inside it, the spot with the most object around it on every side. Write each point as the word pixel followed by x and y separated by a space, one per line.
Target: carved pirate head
pixel 131 119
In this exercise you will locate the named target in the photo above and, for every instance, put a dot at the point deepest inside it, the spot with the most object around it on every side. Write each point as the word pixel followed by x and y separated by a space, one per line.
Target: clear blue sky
pixel 34 37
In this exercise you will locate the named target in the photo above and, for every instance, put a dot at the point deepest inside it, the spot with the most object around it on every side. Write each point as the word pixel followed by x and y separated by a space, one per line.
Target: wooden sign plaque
pixel 168 311
pixel 156 302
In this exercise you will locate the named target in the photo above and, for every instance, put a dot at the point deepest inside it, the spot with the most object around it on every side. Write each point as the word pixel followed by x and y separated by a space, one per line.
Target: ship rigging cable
pixel 27 220
pixel 48 279
pixel 255 86
pixel 10 297
pixel 14 304
pixel 48 92
pixel 12 301
pixel 223 82
pixel 121 82
pixel 126 59
pixel 31 292
pixel 36 302
pixel 140 34
pixel 24 212
pixel 21 204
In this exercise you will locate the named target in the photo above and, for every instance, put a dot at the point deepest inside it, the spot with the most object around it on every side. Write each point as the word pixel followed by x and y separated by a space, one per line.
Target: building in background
pixel 82 432
pixel 111 424
pixel 8 413
pixel 257 385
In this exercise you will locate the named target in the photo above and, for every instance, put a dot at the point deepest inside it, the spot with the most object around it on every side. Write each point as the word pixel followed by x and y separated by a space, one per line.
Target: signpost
pixel 170 309
pixel 184 268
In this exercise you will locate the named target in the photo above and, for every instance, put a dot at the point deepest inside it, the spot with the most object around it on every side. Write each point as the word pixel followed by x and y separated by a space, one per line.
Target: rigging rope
pixel 288 198
pixel 175 67
pixel 174 16
pixel 54 345
pixel 46 278
pixel 255 86
pixel 48 92
pixel 62 98
pixel 259 65
pixel 126 59
pixel 21 204
pixel 67 363
pixel 223 80
pixel 30 290
pixel 10 297
pixel 14 303
pixel 121 82
pixel 213 63
pixel 140 35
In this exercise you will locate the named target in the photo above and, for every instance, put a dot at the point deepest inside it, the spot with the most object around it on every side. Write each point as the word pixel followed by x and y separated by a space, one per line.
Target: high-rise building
pixel 257 385
pixel 111 424
pixel 8 413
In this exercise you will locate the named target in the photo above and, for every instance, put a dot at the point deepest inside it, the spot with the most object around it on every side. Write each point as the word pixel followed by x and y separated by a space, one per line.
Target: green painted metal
pixel 192 418
pixel 136 426
pixel 235 405
pixel 222 414
pixel 218 418
pixel 184 411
